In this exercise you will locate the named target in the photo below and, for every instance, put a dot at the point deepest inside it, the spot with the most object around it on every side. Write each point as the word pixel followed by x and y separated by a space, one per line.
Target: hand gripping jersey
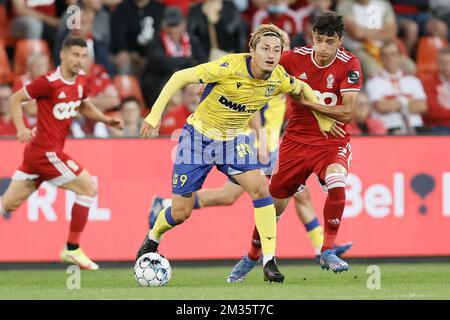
pixel 329 82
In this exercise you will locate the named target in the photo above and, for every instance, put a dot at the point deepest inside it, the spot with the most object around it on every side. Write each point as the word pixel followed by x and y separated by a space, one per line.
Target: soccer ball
pixel 152 270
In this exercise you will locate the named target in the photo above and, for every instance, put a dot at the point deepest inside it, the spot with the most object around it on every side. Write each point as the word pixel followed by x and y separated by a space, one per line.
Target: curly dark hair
pixel 329 24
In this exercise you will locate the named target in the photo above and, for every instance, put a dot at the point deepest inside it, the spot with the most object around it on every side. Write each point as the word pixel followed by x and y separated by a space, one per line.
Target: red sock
pixel 80 212
pixel 255 248
pixel 334 208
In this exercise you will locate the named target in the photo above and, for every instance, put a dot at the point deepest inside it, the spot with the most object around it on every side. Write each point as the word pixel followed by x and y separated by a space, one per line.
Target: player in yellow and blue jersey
pixel 267 125
pixel 237 86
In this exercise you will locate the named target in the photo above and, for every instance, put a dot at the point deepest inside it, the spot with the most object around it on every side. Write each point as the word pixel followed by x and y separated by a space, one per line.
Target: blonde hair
pixel 265 30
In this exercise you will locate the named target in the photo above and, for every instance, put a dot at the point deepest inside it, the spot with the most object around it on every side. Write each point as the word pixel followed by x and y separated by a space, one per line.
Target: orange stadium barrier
pixel 25 48
pixel 398 204
pixel 128 86
pixel 427 51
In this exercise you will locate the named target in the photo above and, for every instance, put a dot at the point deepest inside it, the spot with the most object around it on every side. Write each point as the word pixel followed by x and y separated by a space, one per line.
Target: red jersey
pixel 21 82
pixel 182 4
pixel 438 100
pixel 58 101
pixel 287 21
pixel 343 74
pixel 97 80
pixel 174 119
pixel 47 7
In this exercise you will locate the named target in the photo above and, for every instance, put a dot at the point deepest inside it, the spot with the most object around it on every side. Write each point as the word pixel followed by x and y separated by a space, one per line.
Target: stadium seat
pixel 5 68
pixel 427 53
pixel 25 48
pixel 128 86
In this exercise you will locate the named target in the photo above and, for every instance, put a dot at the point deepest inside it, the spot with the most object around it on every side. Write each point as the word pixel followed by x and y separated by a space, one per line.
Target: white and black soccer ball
pixel 152 270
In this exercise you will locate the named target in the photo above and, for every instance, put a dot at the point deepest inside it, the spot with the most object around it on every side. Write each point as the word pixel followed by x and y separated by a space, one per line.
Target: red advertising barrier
pixel 398 204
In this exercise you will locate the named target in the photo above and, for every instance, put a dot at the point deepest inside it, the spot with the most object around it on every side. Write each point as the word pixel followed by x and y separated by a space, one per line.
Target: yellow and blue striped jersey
pixel 232 95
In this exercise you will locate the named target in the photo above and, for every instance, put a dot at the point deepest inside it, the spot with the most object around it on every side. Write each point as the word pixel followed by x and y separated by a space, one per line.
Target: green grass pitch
pixel 303 281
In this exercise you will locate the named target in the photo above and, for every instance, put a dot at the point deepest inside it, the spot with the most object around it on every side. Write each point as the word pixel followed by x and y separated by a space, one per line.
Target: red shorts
pixel 40 165
pixel 298 161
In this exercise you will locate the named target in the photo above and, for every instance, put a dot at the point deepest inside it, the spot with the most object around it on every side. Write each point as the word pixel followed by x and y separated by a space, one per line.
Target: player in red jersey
pixel 59 96
pixel 335 76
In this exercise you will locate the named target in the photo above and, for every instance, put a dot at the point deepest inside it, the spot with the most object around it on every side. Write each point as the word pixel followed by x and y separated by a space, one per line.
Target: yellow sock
pixel 163 223
pixel 266 223
pixel 316 237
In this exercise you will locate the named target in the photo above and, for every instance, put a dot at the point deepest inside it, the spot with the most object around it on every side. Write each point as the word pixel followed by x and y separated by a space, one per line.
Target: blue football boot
pixel 329 260
pixel 241 269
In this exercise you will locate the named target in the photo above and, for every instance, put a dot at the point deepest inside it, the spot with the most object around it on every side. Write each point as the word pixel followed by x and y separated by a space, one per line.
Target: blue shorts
pixel 267 168
pixel 197 154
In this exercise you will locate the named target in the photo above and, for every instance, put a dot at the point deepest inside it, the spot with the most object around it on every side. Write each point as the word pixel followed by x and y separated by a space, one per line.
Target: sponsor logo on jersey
pixel 225 64
pixel 353 77
pixel 326 98
pixel 234 106
pixel 303 76
pixel 66 110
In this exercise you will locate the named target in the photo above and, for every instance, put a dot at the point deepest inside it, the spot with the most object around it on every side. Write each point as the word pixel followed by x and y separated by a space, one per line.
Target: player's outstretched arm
pixel 326 124
pixel 178 80
pixel 15 101
pixel 90 111
pixel 343 113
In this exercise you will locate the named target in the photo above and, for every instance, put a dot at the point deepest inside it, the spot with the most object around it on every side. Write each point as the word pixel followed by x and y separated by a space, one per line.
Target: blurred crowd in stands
pixel 136 45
